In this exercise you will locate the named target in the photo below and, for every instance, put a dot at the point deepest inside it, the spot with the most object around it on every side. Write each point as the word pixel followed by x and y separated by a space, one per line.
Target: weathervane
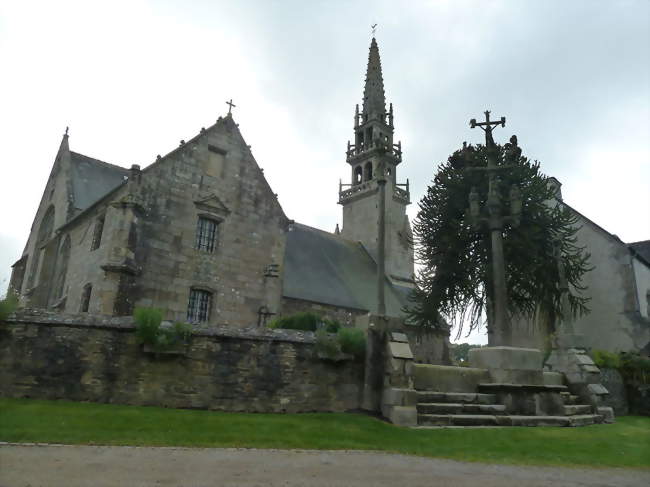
pixel 230 106
pixel 374 29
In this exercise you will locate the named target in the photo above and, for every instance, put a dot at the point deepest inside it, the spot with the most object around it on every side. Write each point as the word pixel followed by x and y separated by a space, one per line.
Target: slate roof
pixel 641 248
pixel 92 179
pixel 325 268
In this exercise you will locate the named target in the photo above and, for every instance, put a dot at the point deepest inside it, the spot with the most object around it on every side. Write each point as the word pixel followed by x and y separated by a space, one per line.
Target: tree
pixel 454 279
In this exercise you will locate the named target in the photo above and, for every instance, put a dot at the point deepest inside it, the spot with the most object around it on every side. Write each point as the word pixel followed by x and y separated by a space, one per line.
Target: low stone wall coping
pixel 522 387
pixel 126 323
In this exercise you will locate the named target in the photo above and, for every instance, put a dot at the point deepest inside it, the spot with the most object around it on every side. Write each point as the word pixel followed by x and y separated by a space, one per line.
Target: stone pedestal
pixel 509 365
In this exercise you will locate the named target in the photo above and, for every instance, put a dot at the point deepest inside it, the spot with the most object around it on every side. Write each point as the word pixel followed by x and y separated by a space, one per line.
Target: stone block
pixel 511 376
pixel 584 359
pixel 402 415
pixel 591 369
pixel 597 389
pixel 553 379
pixel 399 337
pixel 394 396
pixel 506 358
pixel 448 379
pixel 400 350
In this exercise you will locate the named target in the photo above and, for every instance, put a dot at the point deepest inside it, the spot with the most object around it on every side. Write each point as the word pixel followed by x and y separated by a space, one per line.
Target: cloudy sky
pixel 132 78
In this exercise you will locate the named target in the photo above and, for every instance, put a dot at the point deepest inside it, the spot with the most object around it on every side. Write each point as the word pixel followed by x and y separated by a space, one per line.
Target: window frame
pixel 211 241
pixel 195 313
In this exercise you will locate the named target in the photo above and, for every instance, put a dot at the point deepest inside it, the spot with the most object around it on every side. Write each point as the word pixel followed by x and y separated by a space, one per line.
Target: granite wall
pixel 97 359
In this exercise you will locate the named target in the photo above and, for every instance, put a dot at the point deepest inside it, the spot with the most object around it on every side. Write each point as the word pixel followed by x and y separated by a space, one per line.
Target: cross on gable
pixel 231 105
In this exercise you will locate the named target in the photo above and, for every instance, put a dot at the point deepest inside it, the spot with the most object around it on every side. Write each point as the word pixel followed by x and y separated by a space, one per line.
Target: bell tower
pixel 374 152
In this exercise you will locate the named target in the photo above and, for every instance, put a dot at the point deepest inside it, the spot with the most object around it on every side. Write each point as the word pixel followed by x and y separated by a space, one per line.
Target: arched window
pixel 61 268
pixel 367 176
pixel 44 234
pixel 357 175
pixel 85 298
pixel 47 225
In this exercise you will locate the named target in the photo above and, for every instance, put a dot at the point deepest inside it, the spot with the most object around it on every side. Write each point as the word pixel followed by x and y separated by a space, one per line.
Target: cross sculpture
pixel 374 29
pixel 501 332
pixel 231 105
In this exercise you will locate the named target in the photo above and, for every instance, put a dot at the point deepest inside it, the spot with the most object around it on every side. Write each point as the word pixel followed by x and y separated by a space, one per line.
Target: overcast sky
pixel 132 78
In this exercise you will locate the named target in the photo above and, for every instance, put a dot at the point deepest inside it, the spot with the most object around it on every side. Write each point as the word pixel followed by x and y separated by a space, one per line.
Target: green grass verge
pixel 624 444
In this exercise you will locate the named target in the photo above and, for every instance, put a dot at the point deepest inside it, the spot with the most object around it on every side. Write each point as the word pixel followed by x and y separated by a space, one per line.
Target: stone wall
pixel 97 359
pixel 617 398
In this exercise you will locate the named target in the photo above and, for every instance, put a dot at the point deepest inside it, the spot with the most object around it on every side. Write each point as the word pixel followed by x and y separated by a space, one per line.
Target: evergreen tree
pixel 455 258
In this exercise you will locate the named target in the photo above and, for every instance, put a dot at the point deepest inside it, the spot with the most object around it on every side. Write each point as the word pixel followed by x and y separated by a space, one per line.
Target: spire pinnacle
pixel 374 99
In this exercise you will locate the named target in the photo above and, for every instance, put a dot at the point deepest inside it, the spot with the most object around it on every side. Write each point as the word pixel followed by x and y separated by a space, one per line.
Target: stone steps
pixel 569 399
pixel 493 420
pixel 577 409
pixel 460 408
pixel 455 397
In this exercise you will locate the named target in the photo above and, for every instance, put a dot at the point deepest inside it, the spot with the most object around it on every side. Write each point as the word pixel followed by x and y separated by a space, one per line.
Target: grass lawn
pixel 624 444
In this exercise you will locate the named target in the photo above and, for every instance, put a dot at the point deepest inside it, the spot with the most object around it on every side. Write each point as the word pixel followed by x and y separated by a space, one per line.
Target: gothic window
pixel 97 233
pixel 206 234
pixel 85 298
pixel 47 225
pixel 33 268
pixel 368 172
pixel 198 308
pixel 61 268
pixel 357 175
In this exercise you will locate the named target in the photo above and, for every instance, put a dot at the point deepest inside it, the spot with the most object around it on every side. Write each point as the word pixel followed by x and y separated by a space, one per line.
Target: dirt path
pixel 100 466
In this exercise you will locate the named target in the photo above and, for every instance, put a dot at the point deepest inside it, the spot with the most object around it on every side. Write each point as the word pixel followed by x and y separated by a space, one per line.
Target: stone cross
pixel 231 105
pixel 374 29
pixel 495 220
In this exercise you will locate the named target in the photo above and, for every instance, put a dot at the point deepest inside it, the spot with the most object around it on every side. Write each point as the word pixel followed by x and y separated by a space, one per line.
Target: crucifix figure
pixel 231 105
pixel 501 332
pixel 374 29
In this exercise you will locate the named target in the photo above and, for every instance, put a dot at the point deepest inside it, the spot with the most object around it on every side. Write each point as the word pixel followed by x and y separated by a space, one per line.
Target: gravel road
pixel 103 466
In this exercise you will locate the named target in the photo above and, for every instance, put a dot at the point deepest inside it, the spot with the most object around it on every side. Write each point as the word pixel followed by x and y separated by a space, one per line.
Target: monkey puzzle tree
pixel 455 278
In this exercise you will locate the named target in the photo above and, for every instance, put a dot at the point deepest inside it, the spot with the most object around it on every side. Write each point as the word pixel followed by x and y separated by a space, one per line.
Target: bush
pixel 632 366
pixel 606 360
pixel 353 341
pixel 8 305
pixel 150 330
pixel 305 321
pixel 147 325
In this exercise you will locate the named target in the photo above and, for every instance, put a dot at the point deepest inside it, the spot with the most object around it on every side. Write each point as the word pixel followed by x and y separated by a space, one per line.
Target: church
pixel 200 234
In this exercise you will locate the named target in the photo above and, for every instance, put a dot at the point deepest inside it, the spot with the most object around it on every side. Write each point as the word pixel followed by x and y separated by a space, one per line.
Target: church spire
pixel 374 99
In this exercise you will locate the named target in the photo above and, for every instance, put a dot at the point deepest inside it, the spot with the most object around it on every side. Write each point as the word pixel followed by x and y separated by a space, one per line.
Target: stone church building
pixel 200 233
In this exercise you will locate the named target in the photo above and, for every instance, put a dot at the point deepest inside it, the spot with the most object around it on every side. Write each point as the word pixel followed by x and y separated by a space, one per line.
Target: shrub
pixel 147 325
pixel 635 368
pixel 150 329
pixel 8 305
pixel 305 321
pixel 353 341
pixel 606 360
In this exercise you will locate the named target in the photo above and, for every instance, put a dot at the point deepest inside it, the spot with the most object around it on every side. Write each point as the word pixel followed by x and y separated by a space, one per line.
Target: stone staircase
pixel 478 409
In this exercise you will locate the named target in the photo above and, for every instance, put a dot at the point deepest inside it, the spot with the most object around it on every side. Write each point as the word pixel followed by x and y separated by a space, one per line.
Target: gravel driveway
pixel 100 466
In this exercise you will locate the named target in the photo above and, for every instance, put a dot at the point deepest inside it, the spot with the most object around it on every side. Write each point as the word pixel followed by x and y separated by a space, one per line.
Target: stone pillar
pixel 399 399
pixel 117 297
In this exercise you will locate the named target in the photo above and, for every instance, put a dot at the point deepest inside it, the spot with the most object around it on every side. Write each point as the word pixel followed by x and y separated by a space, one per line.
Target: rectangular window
pixel 206 234
pixel 198 309
pixel 97 234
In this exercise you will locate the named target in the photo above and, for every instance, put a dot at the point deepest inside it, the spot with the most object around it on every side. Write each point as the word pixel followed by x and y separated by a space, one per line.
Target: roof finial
pixel 66 130
pixel 374 29
pixel 230 106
